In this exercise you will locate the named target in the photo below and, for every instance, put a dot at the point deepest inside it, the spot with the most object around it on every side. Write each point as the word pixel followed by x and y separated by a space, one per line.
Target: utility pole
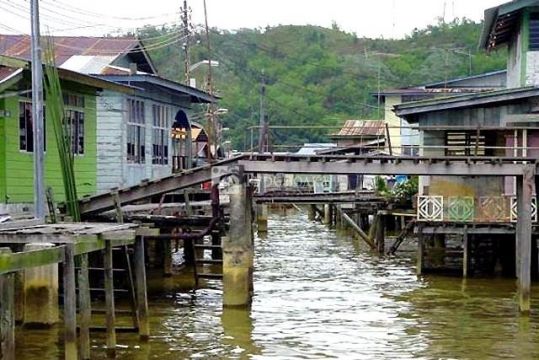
pixel 186 44
pixel 213 128
pixel 37 113
pixel 263 131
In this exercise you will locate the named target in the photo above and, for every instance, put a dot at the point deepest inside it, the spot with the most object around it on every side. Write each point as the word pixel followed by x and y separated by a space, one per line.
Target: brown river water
pixel 320 295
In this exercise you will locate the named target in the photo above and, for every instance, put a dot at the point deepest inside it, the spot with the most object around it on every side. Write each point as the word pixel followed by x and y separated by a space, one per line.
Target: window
pixel 464 143
pixel 74 121
pixel 26 130
pixel 534 32
pixel 410 150
pixel 136 132
pixel 161 115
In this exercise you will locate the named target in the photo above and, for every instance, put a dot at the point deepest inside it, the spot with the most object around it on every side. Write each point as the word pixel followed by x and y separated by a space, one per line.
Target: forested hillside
pixel 319 76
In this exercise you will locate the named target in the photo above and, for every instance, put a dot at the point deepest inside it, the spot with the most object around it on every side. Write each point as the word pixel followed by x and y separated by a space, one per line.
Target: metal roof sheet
pixel 361 128
pixel 66 47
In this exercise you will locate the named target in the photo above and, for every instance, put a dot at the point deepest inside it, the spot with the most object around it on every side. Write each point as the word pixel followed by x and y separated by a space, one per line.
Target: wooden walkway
pixel 69 243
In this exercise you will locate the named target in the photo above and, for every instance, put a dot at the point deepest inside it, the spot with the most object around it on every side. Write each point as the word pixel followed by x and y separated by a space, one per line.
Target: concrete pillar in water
pixel 262 218
pixel 7 313
pixel 238 251
pixel 525 185
pixel 40 292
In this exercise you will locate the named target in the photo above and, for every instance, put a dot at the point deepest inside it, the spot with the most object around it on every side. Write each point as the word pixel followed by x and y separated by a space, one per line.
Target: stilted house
pixel 494 124
pixel 405 140
pixel 16 133
pixel 134 131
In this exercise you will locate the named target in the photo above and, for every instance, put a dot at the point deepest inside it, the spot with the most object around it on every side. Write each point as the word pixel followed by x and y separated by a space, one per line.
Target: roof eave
pixel 409 109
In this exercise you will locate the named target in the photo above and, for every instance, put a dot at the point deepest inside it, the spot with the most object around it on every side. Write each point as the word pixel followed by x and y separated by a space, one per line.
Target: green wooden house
pixel 16 136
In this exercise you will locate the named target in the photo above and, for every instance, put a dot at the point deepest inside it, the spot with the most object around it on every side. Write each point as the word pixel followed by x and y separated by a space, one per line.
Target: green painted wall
pixel 18 174
pixel 2 155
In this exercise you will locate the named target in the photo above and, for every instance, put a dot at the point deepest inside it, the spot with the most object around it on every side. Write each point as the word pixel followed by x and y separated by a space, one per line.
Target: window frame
pixel 74 111
pixel 27 103
pixel 161 119
pixel 136 132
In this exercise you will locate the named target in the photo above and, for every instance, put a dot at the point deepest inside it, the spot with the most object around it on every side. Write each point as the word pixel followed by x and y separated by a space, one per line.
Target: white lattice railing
pixel 485 209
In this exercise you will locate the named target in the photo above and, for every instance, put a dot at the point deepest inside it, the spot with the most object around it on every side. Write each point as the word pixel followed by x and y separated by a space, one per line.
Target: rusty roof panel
pixel 67 46
pixel 371 128
pixel 6 72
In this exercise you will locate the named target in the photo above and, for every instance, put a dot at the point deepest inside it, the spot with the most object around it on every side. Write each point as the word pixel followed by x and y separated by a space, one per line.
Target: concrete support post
pixel 7 314
pixel 142 299
pixel 525 186
pixel 40 292
pixel 238 251
pixel 262 218
pixel 70 303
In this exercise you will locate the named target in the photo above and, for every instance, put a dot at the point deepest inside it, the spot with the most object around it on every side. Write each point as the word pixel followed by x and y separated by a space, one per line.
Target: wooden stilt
pixel 70 304
pixel 142 299
pixel 420 250
pixel 167 258
pixel 109 300
pixel 466 253
pixel 525 185
pixel 381 234
pixel 7 314
pixel 85 307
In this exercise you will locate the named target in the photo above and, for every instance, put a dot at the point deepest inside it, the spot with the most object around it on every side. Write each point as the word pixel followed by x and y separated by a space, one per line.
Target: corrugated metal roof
pixel 362 128
pixel 66 47
pixel 6 72
pixel 465 101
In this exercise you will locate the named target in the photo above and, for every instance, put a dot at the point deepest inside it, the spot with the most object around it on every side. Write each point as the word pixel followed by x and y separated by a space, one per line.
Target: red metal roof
pixel 6 72
pixel 359 128
pixel 18 46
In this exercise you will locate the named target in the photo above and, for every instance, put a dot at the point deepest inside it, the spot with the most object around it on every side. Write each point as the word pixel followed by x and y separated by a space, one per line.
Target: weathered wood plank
pixel 85 307
pixel 7 313
pixel 70 304
pixel 23 260
pixel 109 300
pixel 142 299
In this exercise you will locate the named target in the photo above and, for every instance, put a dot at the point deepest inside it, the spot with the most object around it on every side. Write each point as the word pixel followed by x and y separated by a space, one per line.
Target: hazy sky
pixel 371 18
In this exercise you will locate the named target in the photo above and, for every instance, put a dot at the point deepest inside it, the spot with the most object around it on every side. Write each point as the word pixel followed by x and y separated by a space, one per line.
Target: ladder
pixel 205 263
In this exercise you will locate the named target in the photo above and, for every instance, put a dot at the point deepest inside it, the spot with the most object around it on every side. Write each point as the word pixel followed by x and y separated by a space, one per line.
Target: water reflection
pixel 238 331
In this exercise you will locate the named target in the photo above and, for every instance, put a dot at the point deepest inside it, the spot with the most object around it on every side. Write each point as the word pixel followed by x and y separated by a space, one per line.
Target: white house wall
pixel 111 138
pixel 113 170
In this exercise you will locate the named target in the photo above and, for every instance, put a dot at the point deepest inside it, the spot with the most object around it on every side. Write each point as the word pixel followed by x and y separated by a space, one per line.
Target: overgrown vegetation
pixel 319 76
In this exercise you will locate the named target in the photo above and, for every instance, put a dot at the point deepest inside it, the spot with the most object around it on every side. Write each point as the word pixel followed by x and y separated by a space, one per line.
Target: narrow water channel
pixel 319 294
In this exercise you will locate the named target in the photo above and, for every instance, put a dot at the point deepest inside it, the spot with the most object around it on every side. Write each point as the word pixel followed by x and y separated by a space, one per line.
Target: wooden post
pixel 7 314
pixel 85 307
pixel 109 300
pixel 238 251
pixel 525 185
pixel 381 234
pixel 167 257
pixel 327 214
pixel 311 212
pixel 466 253
pixel 70 303
pixel 142 299
pixel 420 250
